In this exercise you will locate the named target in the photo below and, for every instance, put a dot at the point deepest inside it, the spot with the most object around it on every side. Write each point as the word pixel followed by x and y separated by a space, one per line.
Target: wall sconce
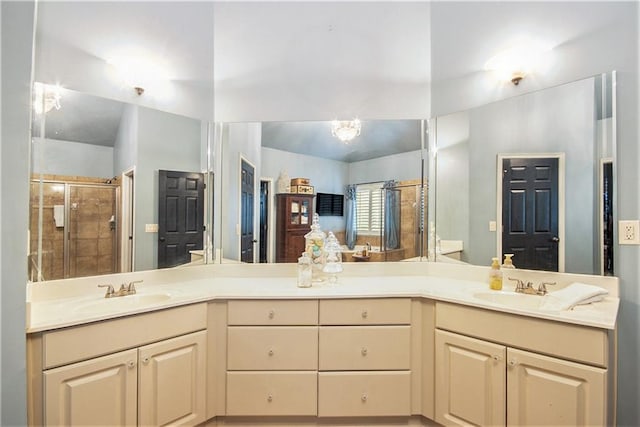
pixel 346 130
pixel 46 97
pixel 515 63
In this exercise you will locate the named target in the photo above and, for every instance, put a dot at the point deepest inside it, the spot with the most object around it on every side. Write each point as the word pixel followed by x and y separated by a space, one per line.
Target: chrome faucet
pixel 528 288
pixel 124 290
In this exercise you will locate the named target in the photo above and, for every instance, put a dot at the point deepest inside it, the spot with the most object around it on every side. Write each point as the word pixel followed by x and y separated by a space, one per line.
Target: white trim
pixel 561 199
pixel 239 222
pixel 127 248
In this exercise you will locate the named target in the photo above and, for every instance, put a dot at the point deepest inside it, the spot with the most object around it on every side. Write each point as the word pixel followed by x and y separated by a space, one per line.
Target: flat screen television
pixel 329 204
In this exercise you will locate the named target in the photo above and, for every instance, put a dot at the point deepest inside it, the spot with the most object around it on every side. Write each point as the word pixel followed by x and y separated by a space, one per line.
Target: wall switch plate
pixel 629 232
pixel 493 226
pixel 151 228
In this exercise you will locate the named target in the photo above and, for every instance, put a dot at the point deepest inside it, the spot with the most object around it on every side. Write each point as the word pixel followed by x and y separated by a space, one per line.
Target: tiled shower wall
pixel 92 228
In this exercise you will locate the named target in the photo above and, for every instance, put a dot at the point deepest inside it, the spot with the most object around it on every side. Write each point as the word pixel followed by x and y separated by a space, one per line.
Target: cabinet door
pixel 470 381
pixel 100 391
pixel 544 390
pixel 172 381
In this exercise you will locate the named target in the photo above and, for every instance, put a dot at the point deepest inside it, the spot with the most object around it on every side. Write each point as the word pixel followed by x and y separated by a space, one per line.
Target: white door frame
pixel 128 209
pixel 561 200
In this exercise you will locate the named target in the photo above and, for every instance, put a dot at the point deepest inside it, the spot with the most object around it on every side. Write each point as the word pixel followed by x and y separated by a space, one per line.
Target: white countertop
pixel 63 303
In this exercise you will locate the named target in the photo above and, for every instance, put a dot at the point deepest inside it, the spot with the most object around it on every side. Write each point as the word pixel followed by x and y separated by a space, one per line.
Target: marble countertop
pixel 63 303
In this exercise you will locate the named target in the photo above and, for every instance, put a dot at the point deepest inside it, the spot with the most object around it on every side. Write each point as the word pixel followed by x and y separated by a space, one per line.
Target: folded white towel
pixel 572 295
pixel 58 215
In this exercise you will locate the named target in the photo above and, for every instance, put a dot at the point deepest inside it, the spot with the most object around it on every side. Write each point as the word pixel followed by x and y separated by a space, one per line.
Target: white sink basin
pixel 510 299
pixel 129 302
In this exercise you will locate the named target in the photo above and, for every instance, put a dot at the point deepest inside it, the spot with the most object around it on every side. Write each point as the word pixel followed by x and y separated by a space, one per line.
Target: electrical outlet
pixel 629 232
pixel 151 228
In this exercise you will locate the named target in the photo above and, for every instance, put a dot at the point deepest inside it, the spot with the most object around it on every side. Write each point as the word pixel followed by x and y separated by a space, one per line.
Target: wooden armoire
pixel 294 213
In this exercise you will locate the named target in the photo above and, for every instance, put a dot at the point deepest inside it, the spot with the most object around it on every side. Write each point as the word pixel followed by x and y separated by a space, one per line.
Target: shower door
pixel 91 238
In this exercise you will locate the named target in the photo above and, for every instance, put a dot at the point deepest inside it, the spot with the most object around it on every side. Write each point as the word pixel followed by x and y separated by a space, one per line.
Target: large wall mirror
pixel 115 187
pixel 531 175
pixel 367 191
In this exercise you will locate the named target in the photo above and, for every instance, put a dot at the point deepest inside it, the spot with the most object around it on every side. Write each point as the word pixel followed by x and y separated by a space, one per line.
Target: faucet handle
pixel 110 291
pixel 132 286
pixel 519 283
pixel 542 287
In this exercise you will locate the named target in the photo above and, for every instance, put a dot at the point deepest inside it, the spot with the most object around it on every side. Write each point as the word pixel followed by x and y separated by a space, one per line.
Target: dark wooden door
pixel 264 220
pixel 530 212
pixel 180 216
pixel 246 212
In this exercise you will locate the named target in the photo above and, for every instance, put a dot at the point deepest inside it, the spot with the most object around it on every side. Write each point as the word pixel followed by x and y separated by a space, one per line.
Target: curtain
pixel 350 214
pixel 391 215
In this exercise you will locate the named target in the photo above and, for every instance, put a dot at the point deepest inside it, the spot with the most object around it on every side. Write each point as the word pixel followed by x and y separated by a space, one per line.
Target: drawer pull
pixel 270 352
pixel 364 398
pixel 272 314
pixel 365 314
pixel 512 363
pixel 270 398
pixel 496 357
pixel 364 351
pixel 131 364
pixel 145 360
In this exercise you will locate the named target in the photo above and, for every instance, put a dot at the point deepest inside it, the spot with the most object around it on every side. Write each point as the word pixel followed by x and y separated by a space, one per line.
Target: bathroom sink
pixel 510 299
pixel 129 302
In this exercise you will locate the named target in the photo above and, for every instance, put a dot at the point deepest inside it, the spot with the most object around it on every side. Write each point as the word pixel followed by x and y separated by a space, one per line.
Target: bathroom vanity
pixel 389 344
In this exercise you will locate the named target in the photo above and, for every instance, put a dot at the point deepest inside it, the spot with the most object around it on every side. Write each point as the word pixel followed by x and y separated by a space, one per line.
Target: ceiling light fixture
pixel 46 97
pixel 515 63
pixel 346 130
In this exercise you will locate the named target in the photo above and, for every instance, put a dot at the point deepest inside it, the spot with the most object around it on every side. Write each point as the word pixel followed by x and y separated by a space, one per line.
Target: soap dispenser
pixel 508 262
pixel 495 275
pixel 333 258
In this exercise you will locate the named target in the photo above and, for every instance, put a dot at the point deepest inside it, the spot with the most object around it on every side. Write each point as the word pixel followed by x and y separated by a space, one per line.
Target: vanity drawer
pixel 366 348
pixel 370 311
pixel 263 348
pixel 272 393
pixel 345 394
pixel 272 312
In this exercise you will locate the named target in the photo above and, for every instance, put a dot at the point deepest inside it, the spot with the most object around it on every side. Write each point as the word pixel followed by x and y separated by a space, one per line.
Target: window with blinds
pixel 369 209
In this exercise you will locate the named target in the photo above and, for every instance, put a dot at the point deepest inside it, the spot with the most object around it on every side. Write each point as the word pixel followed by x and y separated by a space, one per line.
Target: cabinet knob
pixel 272 314
pixel 270 352
pixel 496 357
pixel 513 362
pixel 145 360
pixel 365 314
pixel 364 351
pixel 131 364
pixel 364 398
pixel 269 397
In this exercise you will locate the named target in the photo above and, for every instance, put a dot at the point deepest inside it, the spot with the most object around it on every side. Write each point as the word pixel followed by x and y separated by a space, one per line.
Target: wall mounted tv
pixel 329 204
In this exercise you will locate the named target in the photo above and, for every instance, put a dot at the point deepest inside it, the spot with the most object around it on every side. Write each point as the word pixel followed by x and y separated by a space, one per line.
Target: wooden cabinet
pixel 365 357
pixel 272 358
pixel 293 220
pixel 160 381
pixel 101 391
pixel 485 383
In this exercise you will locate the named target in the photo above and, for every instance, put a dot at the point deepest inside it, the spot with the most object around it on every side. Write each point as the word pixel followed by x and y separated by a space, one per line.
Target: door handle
pixel 555 239
pixel 254 241
pixel 162 239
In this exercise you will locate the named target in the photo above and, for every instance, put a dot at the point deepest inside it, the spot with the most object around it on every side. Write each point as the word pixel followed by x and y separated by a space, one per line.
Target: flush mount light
pixel 346 130
pixel 139 71
pixel 46 97
pixel 516 62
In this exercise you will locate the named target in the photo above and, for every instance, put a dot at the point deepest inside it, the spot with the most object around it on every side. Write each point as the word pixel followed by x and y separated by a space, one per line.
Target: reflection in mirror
pixel 276 170
pixel 528 176
pixel 108 182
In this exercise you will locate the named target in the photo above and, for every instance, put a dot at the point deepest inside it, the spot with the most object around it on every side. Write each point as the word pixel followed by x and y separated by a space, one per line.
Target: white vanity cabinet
pixel 486 373
pixel 272 358
pixel 148 369
pixel 365 357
